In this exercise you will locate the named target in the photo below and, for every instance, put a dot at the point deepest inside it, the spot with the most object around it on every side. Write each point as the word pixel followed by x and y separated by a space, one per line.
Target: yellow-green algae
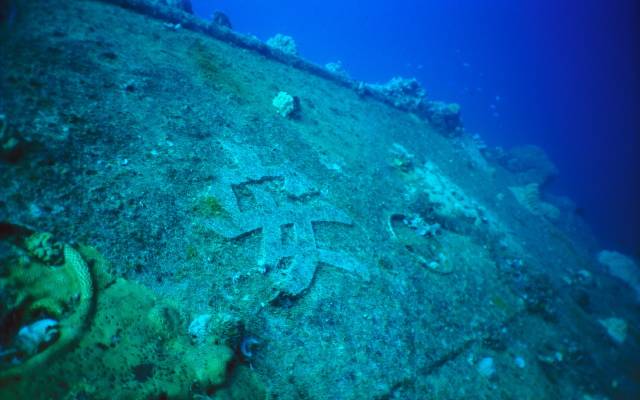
pixel 247 385
pixel 64 293
pixel 42 246
pixel 209 206
pixel 214 72
pixel 117 340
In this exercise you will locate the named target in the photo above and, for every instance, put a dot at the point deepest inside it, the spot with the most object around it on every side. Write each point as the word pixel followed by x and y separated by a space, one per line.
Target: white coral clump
pixel 487 367
pixel 284 43
pixel 403 93
pixel 200 328
pixel 337 69
pixel 285 104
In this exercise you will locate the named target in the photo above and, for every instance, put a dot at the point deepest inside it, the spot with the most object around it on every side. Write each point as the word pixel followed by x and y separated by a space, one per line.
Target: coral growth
pixel 62 294
pixel 283 43
pixel 403 93
pixel 408 94
pixel 448 201
pixel 44 248
pixel 285 104
pixel 445 117
pixel 132 341
pixel 199 328
pixel 337 69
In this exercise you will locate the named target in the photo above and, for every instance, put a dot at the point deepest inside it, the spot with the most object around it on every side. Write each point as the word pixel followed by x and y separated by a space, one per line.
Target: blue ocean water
pixel 561 75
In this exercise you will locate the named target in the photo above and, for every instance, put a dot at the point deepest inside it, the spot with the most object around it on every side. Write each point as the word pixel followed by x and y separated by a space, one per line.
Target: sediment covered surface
pixel 359 251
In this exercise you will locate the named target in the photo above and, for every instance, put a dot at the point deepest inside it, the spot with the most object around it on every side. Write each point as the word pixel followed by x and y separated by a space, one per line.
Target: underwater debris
pixel 623 268
pixel 286 105
pixel 283 43
pixel 221 19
